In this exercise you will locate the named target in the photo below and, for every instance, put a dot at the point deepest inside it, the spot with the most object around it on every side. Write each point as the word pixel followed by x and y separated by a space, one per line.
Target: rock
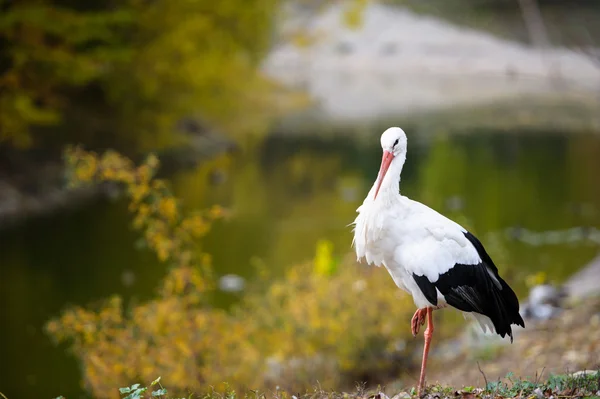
pixel 231 283
pixel 585 372
pixel 544 302
pixel 547 294
pixel 538 393
pixel 379 395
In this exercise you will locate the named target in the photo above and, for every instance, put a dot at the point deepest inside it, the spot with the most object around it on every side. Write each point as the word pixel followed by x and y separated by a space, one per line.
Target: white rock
pixel 231 283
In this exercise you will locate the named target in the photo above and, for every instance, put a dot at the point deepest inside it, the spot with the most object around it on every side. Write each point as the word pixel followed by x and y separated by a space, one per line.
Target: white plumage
pixel 428 255
pixel 408 238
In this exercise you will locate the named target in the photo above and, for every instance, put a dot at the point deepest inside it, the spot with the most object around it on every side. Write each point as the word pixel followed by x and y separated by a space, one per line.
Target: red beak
pixel 386 160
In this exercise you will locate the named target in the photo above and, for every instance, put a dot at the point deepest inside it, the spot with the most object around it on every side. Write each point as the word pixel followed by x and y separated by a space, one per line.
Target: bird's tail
pixel 505 310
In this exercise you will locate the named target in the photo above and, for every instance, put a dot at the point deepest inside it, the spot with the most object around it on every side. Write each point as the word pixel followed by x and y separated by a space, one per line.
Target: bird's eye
pixel 395 142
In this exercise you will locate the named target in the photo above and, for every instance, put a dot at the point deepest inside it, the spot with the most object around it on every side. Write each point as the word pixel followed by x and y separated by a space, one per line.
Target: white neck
pixel 390 187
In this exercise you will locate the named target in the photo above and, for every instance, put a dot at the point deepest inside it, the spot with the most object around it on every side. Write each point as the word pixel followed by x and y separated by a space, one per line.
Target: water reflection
pixel 285 195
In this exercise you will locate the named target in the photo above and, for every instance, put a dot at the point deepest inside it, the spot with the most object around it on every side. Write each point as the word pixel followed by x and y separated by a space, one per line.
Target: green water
pixel 285 194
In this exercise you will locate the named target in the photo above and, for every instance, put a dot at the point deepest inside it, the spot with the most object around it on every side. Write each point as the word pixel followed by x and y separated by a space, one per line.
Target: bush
pixel 127 71
pixel 315 324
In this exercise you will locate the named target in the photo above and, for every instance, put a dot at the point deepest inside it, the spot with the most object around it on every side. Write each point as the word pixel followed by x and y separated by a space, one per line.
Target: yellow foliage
pixel 536 279
pixel 329 329
pixel 168 207
pixel 305 328
pixel 324 263
pixel 155 211
pixel 293 331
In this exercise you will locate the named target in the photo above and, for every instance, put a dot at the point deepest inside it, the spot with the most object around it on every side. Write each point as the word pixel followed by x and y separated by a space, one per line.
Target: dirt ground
pixel 568 343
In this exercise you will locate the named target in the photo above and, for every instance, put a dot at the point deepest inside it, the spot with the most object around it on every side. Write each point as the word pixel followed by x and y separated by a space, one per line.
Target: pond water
pixel 285 194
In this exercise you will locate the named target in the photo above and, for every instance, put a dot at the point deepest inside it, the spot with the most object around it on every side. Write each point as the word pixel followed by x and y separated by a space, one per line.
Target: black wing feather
pixel 471 288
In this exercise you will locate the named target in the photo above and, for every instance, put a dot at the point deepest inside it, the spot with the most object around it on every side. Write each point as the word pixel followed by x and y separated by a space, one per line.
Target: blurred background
pixel 264 119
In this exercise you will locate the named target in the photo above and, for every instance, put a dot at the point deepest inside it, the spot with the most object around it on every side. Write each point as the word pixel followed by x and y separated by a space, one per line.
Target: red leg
pixel 417 321
pixel 428 335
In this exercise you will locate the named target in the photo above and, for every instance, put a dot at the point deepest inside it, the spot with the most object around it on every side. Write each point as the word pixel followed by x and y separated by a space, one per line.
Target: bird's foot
pixel 419 392
pixel 417 321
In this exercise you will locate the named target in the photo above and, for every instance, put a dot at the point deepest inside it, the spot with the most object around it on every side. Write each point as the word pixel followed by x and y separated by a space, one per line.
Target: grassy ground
pixel 578 385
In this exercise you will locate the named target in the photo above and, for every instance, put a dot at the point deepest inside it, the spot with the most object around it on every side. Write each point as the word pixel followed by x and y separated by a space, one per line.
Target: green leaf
pixel 137 394
pixel 135 386
pixel 159 392
pixel 124 390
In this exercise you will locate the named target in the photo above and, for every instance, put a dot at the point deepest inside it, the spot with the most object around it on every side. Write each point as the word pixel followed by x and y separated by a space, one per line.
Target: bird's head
pixel 393 140
pixel 393 144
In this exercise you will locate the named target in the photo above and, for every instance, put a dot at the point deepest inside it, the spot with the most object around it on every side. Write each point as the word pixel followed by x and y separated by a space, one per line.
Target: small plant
pixel 562 385
pixel 137 392
pixel 160 392
pixel 133 392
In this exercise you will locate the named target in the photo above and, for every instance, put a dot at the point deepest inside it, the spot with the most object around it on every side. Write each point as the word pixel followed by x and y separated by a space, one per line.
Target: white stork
pixel 428 255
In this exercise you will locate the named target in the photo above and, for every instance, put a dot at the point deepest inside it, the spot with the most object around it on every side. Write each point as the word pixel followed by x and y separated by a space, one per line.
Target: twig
pixel 361 388
pixel 539 378
pixel 1 394
pixel 483 374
